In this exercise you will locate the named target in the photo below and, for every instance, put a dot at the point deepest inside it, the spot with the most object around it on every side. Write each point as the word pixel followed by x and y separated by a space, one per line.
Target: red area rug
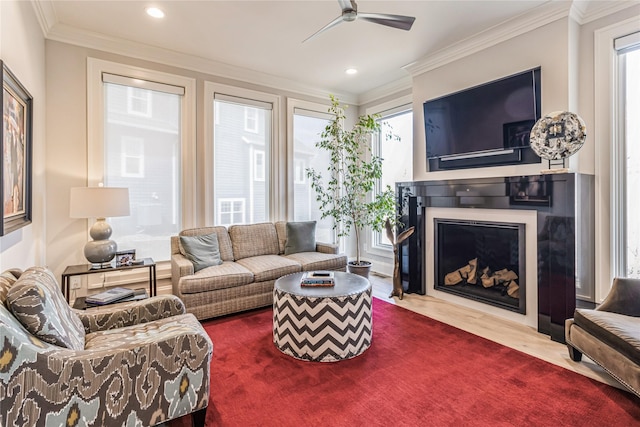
pixel 418 371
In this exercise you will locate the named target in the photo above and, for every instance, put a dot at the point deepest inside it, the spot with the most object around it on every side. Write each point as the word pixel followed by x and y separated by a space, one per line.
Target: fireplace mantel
pixel 565 231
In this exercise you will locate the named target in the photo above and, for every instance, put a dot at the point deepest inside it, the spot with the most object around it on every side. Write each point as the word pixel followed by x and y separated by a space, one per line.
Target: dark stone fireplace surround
pixel 565 231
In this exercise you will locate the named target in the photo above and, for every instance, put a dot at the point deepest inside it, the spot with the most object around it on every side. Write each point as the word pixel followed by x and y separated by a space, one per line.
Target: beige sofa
pixel 610 334
pixel 253 258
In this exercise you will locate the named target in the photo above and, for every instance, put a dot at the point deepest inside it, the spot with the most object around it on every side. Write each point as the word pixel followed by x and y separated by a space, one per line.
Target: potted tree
pixel 345 193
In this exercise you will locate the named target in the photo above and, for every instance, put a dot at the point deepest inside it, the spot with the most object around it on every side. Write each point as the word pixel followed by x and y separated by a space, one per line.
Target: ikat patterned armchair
pixel 132 364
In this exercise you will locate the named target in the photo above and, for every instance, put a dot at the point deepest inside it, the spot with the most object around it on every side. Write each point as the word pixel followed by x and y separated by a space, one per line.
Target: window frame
pixel 314 108
pixel 373 246
pixel 619 161
pixel 95 133
pixel 273 163
pixel 606 133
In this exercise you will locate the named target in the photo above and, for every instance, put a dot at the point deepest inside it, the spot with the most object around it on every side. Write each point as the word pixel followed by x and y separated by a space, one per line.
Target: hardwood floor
pixel 510 334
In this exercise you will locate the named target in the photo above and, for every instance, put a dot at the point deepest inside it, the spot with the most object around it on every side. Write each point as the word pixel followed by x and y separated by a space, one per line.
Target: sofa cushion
pixel 269 267
pixel 301 237
pixel 136 335
pixel 224 242
pixel 281 230
pixel 249 240
pixel 226 275
pixel 318 261
pixel 202 251
pixel 616 330
pixel 37 302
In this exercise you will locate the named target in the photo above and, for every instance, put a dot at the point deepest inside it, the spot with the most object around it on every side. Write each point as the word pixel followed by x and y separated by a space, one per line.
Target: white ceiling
pixel 266 36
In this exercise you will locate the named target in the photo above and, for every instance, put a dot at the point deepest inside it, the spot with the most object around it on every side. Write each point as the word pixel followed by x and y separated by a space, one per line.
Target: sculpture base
pixel 550 171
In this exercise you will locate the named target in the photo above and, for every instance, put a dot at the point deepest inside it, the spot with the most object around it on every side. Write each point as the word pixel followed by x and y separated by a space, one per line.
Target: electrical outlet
pixel 76 283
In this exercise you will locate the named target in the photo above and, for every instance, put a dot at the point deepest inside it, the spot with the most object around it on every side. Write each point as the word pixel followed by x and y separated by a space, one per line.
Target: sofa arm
pixel 327 248
pixel 133 378
pixel 180 266
pixel 623 298
pixel 130 313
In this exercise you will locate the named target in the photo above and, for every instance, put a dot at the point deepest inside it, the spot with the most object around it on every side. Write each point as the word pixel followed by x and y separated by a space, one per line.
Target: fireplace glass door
pixel 482 261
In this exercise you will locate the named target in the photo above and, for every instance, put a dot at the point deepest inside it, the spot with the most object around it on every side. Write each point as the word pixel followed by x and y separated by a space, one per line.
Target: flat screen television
pixel 487 125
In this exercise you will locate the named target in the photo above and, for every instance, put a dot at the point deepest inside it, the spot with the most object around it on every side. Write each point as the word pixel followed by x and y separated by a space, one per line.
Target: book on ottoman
pixel 317 278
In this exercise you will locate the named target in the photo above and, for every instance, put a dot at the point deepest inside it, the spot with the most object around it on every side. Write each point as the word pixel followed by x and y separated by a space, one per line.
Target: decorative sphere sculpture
pixel 558 135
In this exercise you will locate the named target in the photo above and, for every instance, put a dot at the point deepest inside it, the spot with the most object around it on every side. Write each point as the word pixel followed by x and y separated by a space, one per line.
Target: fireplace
pixel 482 261
pixel 563 234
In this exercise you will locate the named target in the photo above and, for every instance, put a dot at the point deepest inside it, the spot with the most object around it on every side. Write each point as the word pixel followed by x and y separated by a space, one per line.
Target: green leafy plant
pixel 346 196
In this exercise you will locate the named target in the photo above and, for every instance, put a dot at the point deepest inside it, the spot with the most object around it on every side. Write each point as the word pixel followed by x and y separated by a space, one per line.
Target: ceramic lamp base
pixel 101 249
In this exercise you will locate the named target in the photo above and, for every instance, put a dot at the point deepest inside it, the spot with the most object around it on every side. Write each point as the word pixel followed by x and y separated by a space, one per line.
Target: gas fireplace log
pixel 513 290
pixel 463 273
pixel 504 278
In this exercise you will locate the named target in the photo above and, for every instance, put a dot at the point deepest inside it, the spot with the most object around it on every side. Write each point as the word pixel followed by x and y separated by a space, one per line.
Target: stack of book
pixel 317 278
pixel 115 295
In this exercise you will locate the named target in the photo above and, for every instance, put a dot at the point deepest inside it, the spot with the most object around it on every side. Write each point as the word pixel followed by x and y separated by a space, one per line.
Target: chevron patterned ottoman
pixel 322 324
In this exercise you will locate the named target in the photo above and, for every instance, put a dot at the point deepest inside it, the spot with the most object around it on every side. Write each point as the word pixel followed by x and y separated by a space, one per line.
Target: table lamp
pixel 99 203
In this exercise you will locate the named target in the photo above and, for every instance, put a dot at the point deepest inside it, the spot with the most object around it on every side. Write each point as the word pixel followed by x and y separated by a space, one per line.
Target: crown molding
pixel 392 88
pixel 46 15
pixel 528 21
pixel 66 34
pixel 582 11
pixel 588 11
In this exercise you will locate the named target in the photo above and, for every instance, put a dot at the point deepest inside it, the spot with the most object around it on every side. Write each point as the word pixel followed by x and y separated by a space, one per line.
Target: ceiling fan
pixel 350 14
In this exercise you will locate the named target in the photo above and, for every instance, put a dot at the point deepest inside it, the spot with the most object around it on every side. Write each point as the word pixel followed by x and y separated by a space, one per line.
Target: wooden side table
pixel 86 269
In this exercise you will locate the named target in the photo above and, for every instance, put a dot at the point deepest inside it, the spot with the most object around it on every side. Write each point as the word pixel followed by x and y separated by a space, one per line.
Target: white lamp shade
pixel 98 202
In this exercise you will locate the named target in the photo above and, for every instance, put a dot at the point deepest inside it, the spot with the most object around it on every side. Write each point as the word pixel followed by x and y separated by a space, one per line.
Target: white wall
pixel 22 50
pixel 546 47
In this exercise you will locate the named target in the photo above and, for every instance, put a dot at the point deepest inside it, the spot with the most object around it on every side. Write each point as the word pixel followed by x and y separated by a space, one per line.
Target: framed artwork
pixel 124 258
pixel 15 168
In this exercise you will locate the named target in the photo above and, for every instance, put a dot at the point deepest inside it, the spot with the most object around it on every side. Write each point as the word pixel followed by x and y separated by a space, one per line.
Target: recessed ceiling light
pixel 155 12
pixel 351 71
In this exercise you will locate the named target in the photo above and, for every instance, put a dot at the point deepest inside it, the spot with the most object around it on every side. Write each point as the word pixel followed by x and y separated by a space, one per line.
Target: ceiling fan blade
pixel 348 4
pixel 331 24
pixel 396 21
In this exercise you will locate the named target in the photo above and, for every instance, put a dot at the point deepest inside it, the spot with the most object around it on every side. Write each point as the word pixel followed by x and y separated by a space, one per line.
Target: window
pixel 299 171
pixel 627 163
pixel 307 126
pixel 126 149
pixel 259 166
pixel 251 118
pixel 230 211
pixel 132 152
pixel 139 101
pixel 394 143
pixel 241 162
pixel 609 196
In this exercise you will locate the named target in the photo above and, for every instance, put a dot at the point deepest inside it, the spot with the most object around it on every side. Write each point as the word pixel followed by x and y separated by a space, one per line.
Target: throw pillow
pixel 37 303
pixel 203 251
pixel 301 237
